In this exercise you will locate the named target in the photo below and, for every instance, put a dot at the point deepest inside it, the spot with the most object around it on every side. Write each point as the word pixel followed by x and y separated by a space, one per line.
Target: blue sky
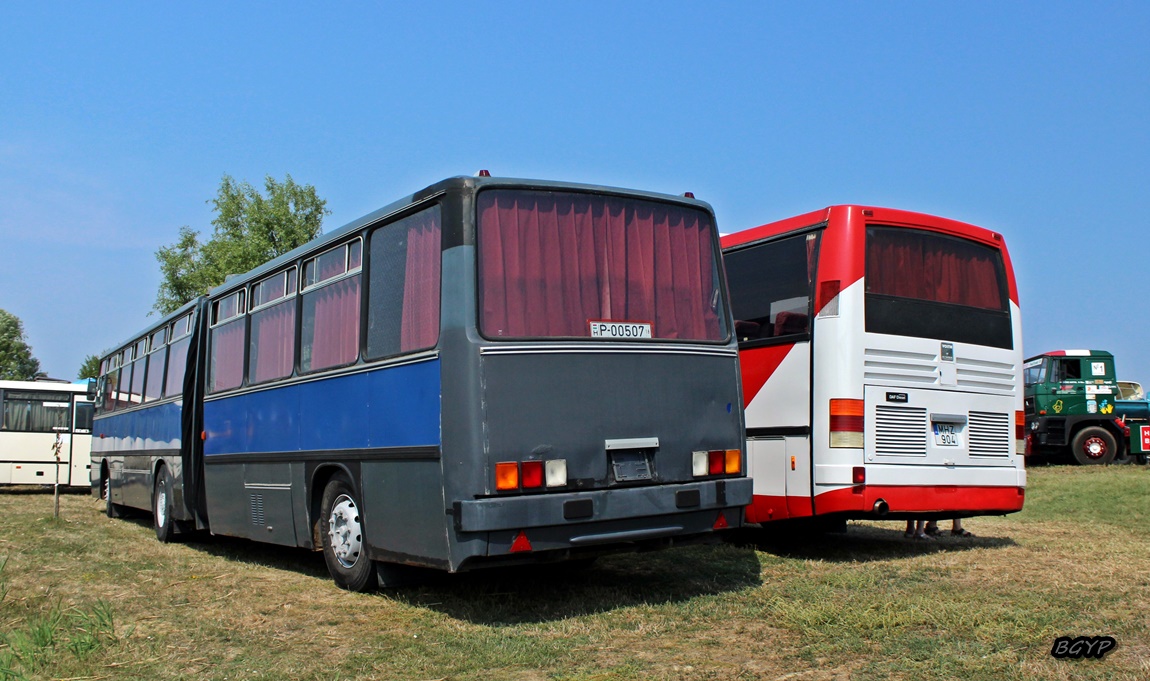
pixel 117 121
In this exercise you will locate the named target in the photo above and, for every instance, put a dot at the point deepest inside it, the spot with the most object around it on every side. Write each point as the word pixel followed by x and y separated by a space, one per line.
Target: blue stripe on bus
pixel 155 427
pixel 389 407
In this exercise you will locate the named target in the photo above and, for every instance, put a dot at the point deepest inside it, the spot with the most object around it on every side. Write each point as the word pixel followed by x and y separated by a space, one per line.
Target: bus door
pixel 771 286
pixel 81 444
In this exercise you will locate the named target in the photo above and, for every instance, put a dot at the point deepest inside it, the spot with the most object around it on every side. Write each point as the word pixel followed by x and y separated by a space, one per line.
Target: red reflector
pixel 858 475
pixel 532 472
pixel 203 435
pixel 846 424
pixel 716 462
pixel 720 522
pixel 521 543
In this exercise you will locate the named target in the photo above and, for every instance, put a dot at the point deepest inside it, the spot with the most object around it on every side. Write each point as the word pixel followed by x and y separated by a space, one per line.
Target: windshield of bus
pixel 931 285
pixel 576 265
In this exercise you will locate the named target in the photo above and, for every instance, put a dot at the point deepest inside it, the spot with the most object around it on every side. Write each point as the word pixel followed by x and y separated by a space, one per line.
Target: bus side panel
pixel 259 442
pixel 404 502
pixel 132 441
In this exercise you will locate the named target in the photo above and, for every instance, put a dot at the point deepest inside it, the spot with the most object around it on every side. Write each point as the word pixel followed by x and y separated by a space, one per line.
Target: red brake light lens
pixel 532 472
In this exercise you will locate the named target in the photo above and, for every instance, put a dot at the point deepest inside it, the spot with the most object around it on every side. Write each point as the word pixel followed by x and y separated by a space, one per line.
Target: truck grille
pixel 989 434
pixel 900 431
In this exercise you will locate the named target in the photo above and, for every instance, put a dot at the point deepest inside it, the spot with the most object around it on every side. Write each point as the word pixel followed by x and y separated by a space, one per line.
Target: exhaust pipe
pixel 881 508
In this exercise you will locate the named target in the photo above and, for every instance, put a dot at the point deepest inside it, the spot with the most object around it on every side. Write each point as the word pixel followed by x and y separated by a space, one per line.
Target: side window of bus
pixel 403 299
pixel 83 422
pixel 330 322
pixel 157 351
pixel 771 287
pixel 271 349
pixel 124 389
pixel 226 360
pixel 36 412
pixel 180 338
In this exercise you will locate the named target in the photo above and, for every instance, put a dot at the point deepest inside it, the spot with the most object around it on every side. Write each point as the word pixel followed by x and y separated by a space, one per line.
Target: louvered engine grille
pixel 258 510
pixel 989 434
pixel 900 431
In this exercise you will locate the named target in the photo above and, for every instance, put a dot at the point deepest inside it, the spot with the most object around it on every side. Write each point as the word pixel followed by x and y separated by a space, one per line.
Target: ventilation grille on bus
pixel 989 434
pixel 900 431
pixel 258 510
pixel 984 375
pixel 899 366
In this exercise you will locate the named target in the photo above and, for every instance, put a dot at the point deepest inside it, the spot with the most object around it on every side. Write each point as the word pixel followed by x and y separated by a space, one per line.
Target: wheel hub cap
pixel 344 531
pixel 1095 448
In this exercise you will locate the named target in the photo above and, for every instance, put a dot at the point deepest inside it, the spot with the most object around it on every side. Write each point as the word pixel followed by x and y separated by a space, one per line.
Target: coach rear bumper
pixel 573 509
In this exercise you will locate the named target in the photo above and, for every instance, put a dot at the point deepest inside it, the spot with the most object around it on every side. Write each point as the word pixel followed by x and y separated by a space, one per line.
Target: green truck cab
pixel 1074 406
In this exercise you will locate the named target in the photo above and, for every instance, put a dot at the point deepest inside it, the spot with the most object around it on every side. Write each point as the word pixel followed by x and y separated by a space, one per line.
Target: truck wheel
pixel 1094 445
pixel 341 531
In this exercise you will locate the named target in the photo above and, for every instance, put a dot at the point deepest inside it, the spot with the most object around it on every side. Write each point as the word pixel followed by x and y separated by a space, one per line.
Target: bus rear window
pixel 930 285
pixel 563 265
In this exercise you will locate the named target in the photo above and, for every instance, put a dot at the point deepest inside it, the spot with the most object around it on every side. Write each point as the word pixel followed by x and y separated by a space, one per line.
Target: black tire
pixel 341 532
pixel 1094 446
pixel 111 510
pixel 163 506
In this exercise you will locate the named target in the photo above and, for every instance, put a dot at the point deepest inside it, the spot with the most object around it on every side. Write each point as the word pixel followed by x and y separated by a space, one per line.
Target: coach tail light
pixel 847 423
pixel 716 462
pixel 1020 438
pixel 556 473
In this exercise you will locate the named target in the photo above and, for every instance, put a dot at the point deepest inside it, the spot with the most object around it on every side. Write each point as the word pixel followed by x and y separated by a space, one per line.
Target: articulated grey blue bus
pixel 487 372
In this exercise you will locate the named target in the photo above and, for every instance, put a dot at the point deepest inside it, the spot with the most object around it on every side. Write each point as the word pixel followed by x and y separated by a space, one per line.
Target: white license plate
pixel 622 330
pixel 947 435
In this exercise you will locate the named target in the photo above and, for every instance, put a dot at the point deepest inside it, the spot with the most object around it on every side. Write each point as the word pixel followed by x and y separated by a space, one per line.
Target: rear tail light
pixel 717 462
pixel 733 462
pixel 507 476
pixel 1020 432
pixel 511 476
pixel 532 473
pixel 556 473
pixel 858 475
pixel 846 423
pixel 699 466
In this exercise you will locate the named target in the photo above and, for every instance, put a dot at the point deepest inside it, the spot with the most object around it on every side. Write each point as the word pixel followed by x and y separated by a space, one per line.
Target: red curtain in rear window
pixel 550 263
pixel 915 264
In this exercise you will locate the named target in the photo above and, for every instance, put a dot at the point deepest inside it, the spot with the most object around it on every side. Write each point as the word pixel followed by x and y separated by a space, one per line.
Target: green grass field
pixel 88 597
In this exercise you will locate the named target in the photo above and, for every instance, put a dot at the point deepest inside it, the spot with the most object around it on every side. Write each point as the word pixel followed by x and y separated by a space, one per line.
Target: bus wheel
pixel 341 531
pixel 111 510
pixel 1094 445
pixel 163 507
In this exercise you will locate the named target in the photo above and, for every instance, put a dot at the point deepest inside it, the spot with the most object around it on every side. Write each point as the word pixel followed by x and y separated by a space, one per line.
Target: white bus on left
pixel 34 417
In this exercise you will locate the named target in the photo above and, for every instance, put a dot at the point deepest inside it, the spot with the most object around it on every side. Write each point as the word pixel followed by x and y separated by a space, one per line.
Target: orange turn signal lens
pixel 507 476
pixel 734 462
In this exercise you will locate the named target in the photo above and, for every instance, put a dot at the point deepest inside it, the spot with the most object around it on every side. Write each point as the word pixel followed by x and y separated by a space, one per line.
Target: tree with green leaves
pixel 16 360
pixel 250 228
pixel 90 368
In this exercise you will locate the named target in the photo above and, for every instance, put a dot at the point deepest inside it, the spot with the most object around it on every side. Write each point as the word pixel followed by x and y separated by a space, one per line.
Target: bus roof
pixel 872 214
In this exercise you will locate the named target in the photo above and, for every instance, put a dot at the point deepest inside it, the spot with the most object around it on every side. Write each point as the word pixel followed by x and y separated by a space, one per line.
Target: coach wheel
pixel 163 507
pixel 1094 445
pixel 341 531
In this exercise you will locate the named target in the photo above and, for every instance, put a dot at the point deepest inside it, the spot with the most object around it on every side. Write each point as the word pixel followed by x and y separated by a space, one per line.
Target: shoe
pixel 923 537
pixel 962 533
pixel 932 530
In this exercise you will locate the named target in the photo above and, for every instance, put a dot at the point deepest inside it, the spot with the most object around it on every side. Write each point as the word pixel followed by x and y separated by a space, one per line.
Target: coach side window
pixel 403 303
pixel 156 354
pixel 330 324
pixel 179 338
pixel 271 348
pixel 771 287
pixel 226 367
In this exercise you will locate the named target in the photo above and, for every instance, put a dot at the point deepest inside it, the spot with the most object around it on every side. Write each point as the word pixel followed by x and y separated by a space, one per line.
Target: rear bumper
pixel 903 501
pixel 574 509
